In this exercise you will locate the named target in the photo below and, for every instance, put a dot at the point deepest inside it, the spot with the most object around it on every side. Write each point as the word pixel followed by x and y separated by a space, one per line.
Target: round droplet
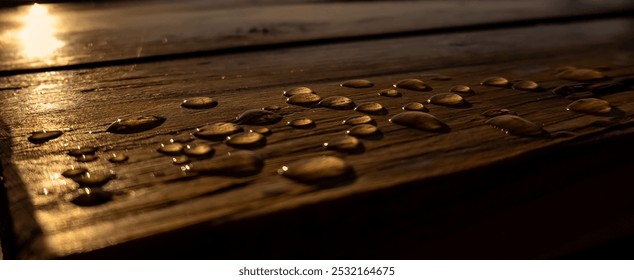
pixel 390 92
pixel 39 137
pixel 118 158
pixel 258 117
pixel 462 89
pixel 357 84
pixel 238 164
pixel 246 140
pixel 304 99
pixel 297 90
pixel 93 179
pixel 74 172
pixel 582 75
pixel 199 103
pixel 217 131
pixel 496 82
pixel 420 120
pixel 570 89
pixel 515 125
pixel 337 103
pixel 526 86
pixel 87 158
pixel 357 120
pixel 182 138
pixel 80 151
pixel 414 106
pixel 371 108
pixel 135 124
pixel 262 130
pixel 199 150
pixel 89 197
pixel 579 95
pixel 590 106
pixel 182 159
pixel 412 84
pixel 363 130
pixel 302 123
pixel 446 99
pixel 171 149
pixel 345 144
pixel 498 112
pixel 272 108
pixel 317 170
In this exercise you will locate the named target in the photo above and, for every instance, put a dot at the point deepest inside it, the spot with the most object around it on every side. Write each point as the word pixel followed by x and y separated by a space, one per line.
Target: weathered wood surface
pixel 93 33
pixel 410 185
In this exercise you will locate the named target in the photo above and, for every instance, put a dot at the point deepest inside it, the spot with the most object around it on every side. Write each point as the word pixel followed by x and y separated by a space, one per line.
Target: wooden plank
pixel 125 33
pixel 150 207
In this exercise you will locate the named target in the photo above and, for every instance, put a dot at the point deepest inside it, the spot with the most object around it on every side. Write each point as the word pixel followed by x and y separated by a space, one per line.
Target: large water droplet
pixel 496 82
pixel 590 106
pixel 297 90
pixel 345 144
pixel 414 106
pixel 304 99
pixel 357 120
pixel 318 170
pixel 118 158
pixel 447 99
pixel 199 103
pixel 89 197
pixel 39 137
pixel 420 120
pixel 462 89
pixel 217 131
pixel 390 92
pixel 358 83
pixel 242 163
pixel 258 117
pixel 582 75
pixel 363 130
pixel 199 150
pixel 246 140
pixel 337 103
pixel 526 86
pixel 371 108
pixel 412 84
pixel 515 125
pixel 171 149
pixel 94 179
pixel 74 172
pixel 135 124
pixel 302 123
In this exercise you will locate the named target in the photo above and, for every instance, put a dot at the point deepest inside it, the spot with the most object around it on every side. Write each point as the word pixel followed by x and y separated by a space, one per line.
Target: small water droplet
pixel 93 179
pixel 564 68
pixel 570 89
pixel 436 77
pixel 390 92
pixel 242 163
pixel 345 144
pixel 590 106
pixel 304 99
pixel 446 99
pixel 262 130
pixel 199 150
pixel 323 169
pixel 526 85
pixel 579 95
pixel 607 88
pixel 497 112
pixel 89 197
pixel 258 117
pixel 199 103
pixel 371 108
pixel 582 75
pixel 135 124
pixel 302 123
pixel 246 140
pixel 74 172
pixel 515 125
pixel 412 84
pixel 414 106
pixel 272 108
pixel 118 158
pixel 358 83
pixel 39 137
pixel 357 120
pixel 182 138
pixel 217 131
pixel 87 158
pixel 337 103
pixel 80 151
pixel 496 82
pixel 182 159
pixel 297 90
pixel 420 121
pixel 363 130
pixel 462 89
pixel 171 149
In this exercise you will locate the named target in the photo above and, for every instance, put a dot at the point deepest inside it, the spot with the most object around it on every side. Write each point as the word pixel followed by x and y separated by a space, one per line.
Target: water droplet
pixel 607 88
pixel 272 108
pixel 88 197
pixel 412 84
pixel 446 99
pixel 118 158
pixel 262 130
pixel 302 123
pixel 246 140
pixel 199 103
pixel 171 149
pixel 39 137
pixel 217 131
pixel 357 120
pixel 199 150
pixel 436 77
pixel 87 158
pixel 182 159
pixel 182 138
pixel 526 86
pixel 345 144
pixel 590 106
pixel 371 108
pixel 94 179
pixel 390 92
pixel 135 124
pixel 414 106
pixel 579 95
pixel 570 89
pixel 581 75
pixel 80 151
pixel 304 99
pixel 420 120
pixel 297 90
pixel 258 117
pixel 337 103
pixel 496 82
pixel 363 130
pixel 497 112
pixel 515 125
pixel 357 84
pixel 462 89
pixel 315 170
pixel 74 172
pixel 242 163
pixel 564 68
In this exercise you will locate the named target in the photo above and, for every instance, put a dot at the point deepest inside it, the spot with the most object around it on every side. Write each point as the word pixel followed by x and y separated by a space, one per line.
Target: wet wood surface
pixel 469 192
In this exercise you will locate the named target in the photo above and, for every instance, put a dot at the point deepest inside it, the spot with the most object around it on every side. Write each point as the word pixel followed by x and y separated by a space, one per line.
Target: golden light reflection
pixel 37 34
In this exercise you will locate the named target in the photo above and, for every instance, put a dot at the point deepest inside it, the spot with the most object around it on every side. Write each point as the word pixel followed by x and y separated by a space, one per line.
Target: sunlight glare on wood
pixel 37 35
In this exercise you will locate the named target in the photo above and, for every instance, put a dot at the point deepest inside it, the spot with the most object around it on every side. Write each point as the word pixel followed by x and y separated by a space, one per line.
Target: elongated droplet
pixel 94 179
pixel 357 120
pixel 182 159
pixel 199 103
pixel 199 150
pixel 316 170
pixel 526 86
pixel 420 121
pixel 272 108
pixel 246 140
pixel 390 92
pixel 412 84
pixel 496 82
pixel 345 144
pixel 515 125
pixel 437 77
pixel 74 172
pixel 337 103
pixel 80 151
pixel 39 137
pixel 590 106
pixel 135 124
pixel 414 106
pixel 242 163
pixel 217 131
pixel 258 117
pixel 87 158
pixel 357 84
pixel 581 75
pixel 363 130
pixel 371 108
pixel 570 89
pixel 462 89
pixel 564 68
pixel 118 158
pixel 302 123
pixel 304 99
pixel 171 149
pixel 91 197
pixel 297 90
pixel 497 112
pixel 446 99
pixel 182 138
pixel 262 130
